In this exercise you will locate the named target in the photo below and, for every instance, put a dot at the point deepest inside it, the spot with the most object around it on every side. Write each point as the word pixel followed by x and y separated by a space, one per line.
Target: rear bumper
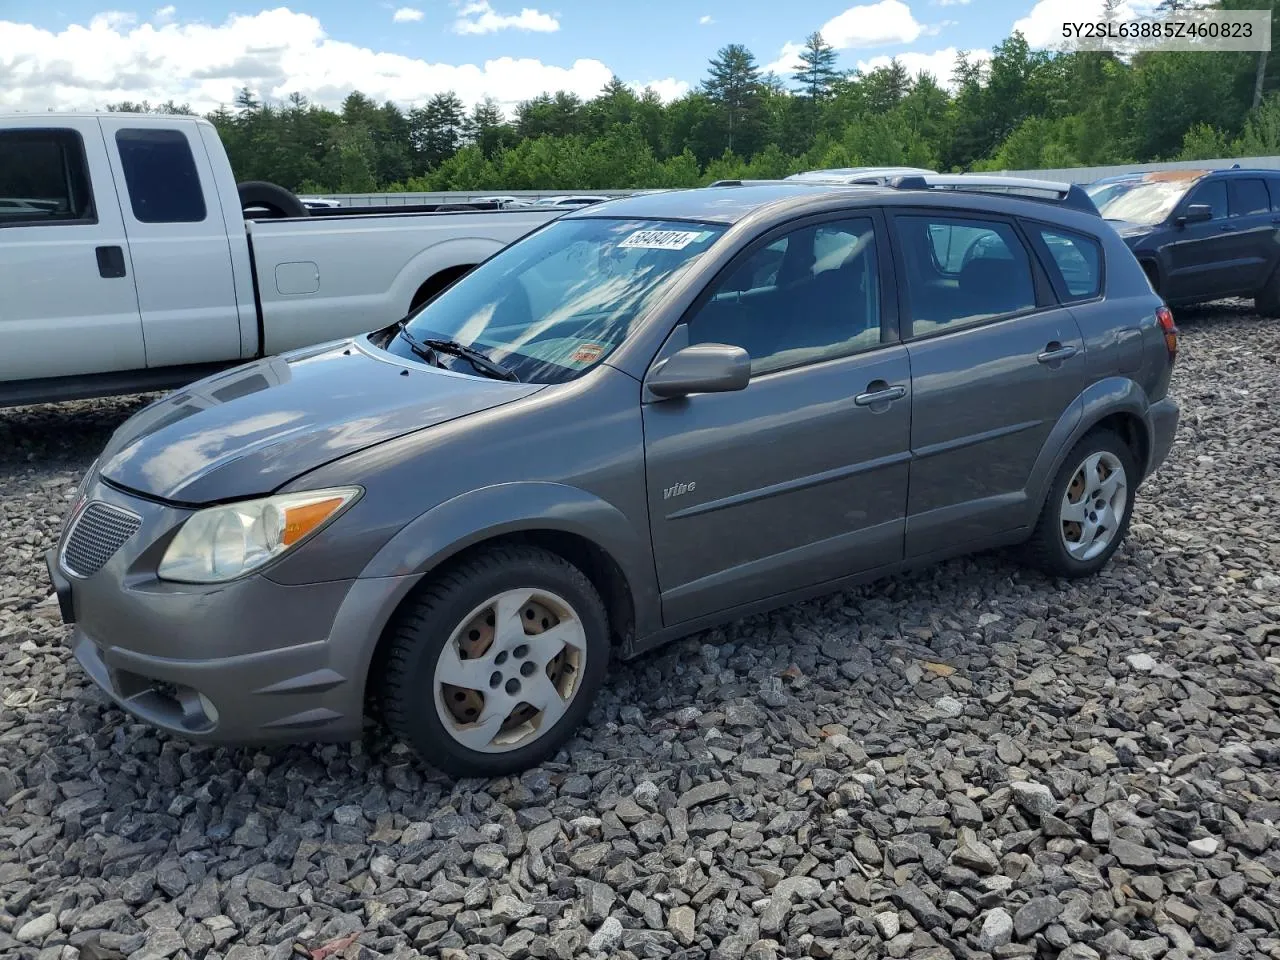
pixel 1163 416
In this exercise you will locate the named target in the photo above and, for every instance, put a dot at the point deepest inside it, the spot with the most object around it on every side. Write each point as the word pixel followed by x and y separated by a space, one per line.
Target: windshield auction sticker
pixel 660 239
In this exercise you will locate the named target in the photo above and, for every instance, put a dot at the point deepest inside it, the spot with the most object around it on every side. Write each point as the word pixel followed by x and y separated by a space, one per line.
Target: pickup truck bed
pixel 127 262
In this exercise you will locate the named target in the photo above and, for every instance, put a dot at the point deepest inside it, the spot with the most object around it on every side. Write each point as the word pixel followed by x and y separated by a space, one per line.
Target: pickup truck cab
pixel 128 261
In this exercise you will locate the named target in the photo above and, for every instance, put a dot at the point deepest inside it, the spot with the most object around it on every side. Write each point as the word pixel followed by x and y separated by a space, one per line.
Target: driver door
pixel 800 478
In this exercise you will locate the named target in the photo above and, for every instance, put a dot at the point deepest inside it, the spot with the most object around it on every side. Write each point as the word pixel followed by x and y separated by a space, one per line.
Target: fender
pixel 445 255
pixel 1097 402
pixel 488 512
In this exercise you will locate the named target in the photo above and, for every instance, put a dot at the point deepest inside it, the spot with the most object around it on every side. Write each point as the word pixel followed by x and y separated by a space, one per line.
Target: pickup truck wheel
pixel 1086 515
pixel 259 193
pixel 495 664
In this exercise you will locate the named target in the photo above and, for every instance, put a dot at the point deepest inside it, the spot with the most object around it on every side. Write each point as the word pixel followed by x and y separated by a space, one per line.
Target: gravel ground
pixel 972 761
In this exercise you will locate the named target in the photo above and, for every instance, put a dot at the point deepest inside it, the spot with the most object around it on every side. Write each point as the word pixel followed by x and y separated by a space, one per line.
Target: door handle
pixel 110 262
pixel 1228 228
pixel 1056 353
pixel 880 392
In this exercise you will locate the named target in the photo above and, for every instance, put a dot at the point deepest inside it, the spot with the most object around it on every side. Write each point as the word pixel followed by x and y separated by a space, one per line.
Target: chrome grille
pixel 96 534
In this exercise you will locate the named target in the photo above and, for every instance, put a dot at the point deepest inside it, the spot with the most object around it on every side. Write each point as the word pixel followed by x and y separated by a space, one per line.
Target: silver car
pixel 647 417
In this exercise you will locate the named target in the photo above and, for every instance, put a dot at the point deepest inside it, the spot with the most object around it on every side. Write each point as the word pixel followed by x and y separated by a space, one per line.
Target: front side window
pixel 1078 260
pixel 962 271
pixel 44 178
pixel 1213 195
pixel 160 175
pixel 812 295
pixel 553 305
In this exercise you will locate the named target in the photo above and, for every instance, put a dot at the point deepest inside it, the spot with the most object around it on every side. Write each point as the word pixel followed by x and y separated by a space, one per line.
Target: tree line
pixel 1022 109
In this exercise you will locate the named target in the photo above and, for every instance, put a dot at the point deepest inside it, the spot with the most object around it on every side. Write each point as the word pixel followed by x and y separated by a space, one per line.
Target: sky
pixel 78 54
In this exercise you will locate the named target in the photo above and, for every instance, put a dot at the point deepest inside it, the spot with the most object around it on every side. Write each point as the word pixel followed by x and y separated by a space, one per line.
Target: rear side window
pixel 44 179
pixel 1213 193
pixel 1078 260
pixel 1247 198
pixel 962 271
pixel 161 177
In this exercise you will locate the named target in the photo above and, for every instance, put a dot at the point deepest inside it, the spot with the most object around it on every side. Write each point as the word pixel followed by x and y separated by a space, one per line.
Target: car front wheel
pixel 496 662
pixel 1086 515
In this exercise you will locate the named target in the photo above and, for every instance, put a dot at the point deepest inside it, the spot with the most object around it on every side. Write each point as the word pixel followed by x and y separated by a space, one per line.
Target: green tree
pixel 733 84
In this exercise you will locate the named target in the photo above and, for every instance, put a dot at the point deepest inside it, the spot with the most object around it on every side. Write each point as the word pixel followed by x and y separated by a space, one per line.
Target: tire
pixel 1049 547
pixel 259 193
pixel 1267 301
pixel 446 723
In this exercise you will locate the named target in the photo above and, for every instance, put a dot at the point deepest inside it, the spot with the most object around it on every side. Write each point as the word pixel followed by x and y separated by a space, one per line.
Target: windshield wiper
pixel 428 348
pixel 473 356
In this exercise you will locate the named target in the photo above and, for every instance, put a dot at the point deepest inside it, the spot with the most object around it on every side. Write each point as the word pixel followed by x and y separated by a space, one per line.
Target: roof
pixel 51 118
pixel 725 205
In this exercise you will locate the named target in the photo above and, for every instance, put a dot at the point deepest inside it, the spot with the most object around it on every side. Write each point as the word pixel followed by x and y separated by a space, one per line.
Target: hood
pixel 247 431
pixel 1129 232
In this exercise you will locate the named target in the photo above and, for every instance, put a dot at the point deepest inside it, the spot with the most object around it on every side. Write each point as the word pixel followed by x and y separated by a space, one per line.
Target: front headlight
pixel 222 543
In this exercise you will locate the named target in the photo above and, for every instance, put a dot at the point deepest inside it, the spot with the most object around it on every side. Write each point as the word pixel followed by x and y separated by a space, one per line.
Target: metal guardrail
pixel 1067 175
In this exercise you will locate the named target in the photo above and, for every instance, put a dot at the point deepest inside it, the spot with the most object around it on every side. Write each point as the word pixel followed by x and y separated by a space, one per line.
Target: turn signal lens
pixel 1165 317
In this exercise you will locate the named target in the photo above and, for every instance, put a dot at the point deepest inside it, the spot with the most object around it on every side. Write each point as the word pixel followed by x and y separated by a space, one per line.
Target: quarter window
pixel 812 295
pixel 962 271
pixel 1247 198
pixel 160 174
pixel 1078 260
pixel 44 178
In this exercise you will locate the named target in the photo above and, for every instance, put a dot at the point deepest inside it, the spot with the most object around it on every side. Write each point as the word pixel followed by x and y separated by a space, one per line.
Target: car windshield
pixel 1146 202
pixel 553 305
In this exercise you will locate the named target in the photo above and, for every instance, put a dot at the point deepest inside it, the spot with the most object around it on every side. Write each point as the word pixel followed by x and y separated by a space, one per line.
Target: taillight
pixel 1165 317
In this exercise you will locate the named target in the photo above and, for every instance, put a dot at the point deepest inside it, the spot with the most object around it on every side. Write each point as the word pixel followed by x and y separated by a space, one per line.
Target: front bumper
pixel 252 661
pixel 1164 416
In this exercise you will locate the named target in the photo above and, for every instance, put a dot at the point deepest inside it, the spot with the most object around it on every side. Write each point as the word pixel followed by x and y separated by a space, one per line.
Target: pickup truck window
pixel 161 176
pixel 44 179
pixel 553 305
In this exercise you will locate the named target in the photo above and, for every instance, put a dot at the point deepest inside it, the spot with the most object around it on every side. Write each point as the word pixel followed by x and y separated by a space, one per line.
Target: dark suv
pixel 647 417
pixel 1201 234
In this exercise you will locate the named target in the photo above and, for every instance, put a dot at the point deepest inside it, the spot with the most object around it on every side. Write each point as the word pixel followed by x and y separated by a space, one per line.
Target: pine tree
pixel 818 75
pixel 733 84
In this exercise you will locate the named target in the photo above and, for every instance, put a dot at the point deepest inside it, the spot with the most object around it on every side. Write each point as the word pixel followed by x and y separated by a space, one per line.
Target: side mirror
pixel 701 368
pixel 1196 213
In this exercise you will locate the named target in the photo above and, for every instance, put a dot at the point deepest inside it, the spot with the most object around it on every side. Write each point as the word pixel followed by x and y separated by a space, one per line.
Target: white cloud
pixel 940 63
pixel 1042 27
pixel 165 14
pixel 952 3
pixel 668 88
pixel 872 25
pixel 706 19
pixel 274 52
pixel 788 61
pixel 478 16
pixel 407 15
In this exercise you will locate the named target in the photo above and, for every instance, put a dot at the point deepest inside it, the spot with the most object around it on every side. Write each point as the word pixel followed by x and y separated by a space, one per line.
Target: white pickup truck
pixel 130 259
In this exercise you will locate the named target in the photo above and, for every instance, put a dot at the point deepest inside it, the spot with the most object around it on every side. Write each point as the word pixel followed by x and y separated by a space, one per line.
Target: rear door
pixel 178 240
pixel 67 299
pixel 801 477
pixel 995 363
pixel 1253 236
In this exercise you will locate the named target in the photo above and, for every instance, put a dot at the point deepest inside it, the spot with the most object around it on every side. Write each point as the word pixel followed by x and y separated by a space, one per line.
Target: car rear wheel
pixel 1267 300
pixel 495 664
pixel 1086 515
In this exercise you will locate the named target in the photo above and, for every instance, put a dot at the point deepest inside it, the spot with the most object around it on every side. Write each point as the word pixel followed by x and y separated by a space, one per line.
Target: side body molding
pixel 507 508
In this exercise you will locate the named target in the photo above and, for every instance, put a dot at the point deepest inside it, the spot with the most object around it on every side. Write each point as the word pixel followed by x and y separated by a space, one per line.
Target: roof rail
pixel 1069 195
